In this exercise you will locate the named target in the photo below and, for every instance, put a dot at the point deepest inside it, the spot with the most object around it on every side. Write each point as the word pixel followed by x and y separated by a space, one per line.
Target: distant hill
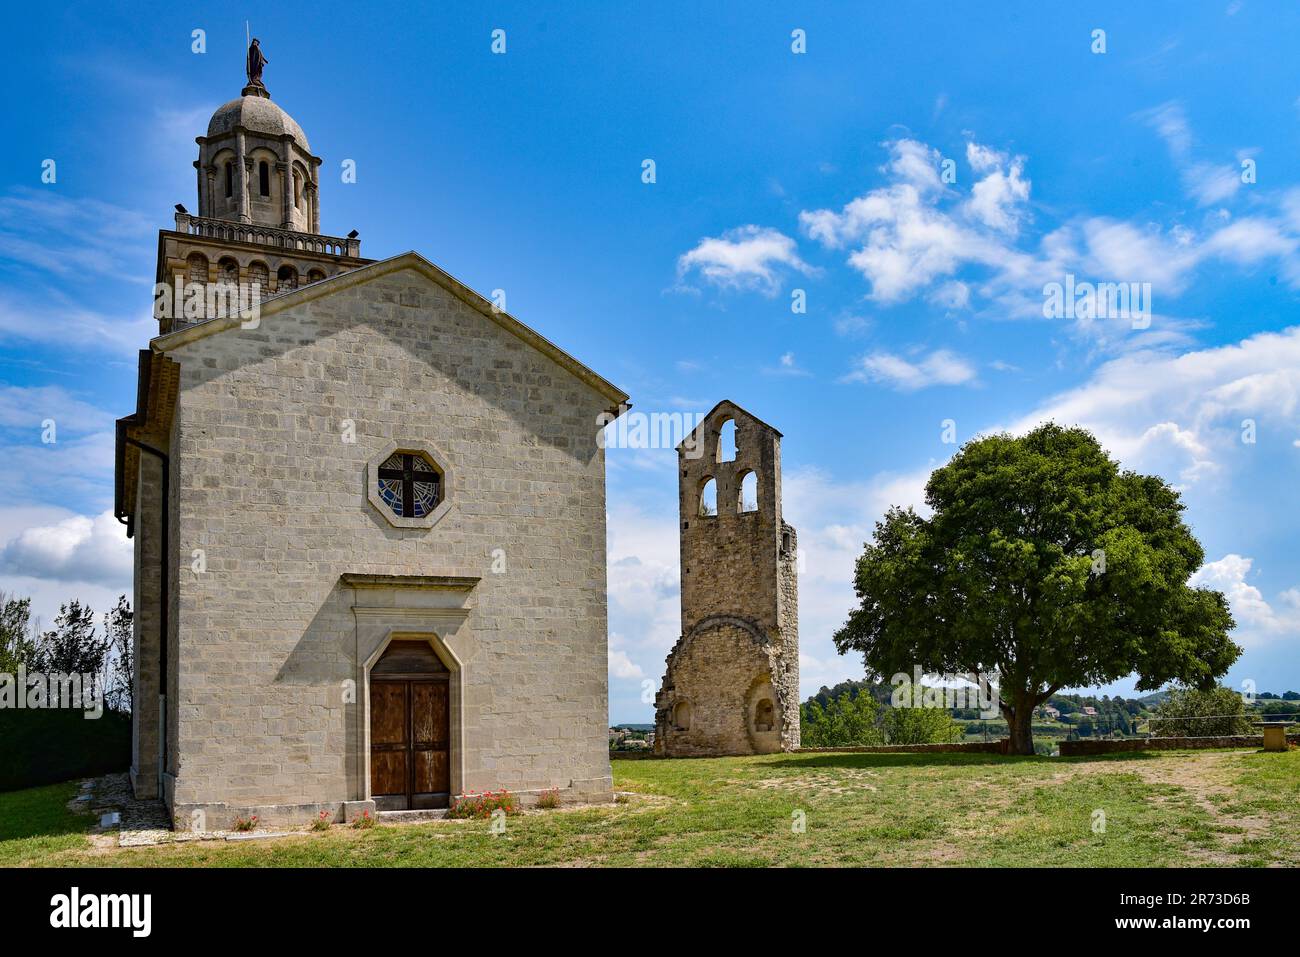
pixel 632 727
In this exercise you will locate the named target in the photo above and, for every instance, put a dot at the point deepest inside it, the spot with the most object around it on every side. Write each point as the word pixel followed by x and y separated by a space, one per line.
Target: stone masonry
pixel 269 576
pixel 732 682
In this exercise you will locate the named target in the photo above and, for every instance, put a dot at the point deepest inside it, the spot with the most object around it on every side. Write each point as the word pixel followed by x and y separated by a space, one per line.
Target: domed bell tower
pixel 258 222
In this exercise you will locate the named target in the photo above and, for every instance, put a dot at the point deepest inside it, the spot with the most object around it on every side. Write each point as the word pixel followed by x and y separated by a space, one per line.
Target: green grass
pixel 36 826
pixel 1161 809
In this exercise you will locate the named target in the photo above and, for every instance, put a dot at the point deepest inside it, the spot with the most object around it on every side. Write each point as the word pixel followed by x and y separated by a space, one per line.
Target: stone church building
pixel 732 683
pixel 368 522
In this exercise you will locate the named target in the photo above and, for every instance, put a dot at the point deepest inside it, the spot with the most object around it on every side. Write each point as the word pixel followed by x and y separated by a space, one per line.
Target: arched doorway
pixel 410 728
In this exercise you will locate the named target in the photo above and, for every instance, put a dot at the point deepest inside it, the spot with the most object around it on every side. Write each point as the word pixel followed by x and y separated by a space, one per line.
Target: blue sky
pixel 775 171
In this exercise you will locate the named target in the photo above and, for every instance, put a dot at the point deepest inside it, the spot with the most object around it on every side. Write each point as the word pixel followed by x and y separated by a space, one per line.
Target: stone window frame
pixel 414 448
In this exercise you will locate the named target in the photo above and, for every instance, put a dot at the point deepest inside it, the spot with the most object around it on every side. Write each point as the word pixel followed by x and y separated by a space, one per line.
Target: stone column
pixel 207 203
pixel 286 195
pixel 148 594
pixel 244 165
pixel 313 196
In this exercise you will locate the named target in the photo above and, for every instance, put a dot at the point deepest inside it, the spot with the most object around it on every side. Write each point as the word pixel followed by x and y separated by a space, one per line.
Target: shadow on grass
pixel 896 759
pixel 40 812
pixel 901 759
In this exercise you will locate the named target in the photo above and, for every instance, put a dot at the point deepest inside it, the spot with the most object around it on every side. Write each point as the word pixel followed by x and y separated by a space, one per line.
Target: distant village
pixel 632 737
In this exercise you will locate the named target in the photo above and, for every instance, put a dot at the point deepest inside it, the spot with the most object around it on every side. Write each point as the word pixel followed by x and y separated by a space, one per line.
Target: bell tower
pixel 732 681
pixel 258 224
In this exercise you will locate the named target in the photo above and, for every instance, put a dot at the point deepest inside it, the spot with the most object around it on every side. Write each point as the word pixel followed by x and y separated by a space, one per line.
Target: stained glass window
pixel 409 485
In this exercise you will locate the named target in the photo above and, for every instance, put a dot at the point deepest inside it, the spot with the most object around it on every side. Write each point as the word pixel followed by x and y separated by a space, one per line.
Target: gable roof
pixel 726 405
pixel 411 261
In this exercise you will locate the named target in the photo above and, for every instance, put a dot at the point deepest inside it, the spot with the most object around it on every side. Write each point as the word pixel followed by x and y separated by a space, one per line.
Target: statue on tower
pixel 256 61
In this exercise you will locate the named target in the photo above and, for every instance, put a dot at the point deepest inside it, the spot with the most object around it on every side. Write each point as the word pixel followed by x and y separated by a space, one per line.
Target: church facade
pixel 368 520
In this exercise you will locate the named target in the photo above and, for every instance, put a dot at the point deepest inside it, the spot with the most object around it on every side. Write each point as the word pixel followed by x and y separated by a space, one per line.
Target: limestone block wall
pixel 720 675
pixel 275 425
pixel 738 568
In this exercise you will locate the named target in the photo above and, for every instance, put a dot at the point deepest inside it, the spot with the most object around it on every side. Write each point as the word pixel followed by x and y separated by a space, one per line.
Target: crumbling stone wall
pixel 732 682
pixel 1112 745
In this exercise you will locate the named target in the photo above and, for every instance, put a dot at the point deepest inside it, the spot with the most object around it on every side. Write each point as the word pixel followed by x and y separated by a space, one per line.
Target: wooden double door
pixel 410 729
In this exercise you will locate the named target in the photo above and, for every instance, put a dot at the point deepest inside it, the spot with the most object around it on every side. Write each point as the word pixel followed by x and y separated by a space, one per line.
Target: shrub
pixel 245 823
pixel 474 804
pixel 548 799
pixel 322 822
pixel 846 721
pixel 364 822
pixel 48 745
pixel 921 726
pixel 1189 713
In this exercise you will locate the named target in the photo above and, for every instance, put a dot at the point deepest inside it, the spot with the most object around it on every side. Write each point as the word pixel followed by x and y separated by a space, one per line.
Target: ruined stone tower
pixel 732 684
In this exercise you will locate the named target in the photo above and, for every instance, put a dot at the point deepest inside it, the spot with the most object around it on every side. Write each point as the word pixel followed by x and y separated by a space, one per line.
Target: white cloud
pixel 940 367
pixel 75 549
pixel 913 235
pixel 27 407
pixel 623 667
pixel 52 556
pixel 748 257
pixel 1257 620
pixel 951 295
pixel 786 366
pixel 72 236
pixel 997 200
pixel 904 240
pixel 1179 415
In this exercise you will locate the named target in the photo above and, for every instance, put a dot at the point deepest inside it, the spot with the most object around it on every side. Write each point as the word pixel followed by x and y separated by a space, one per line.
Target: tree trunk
pixel 1020 725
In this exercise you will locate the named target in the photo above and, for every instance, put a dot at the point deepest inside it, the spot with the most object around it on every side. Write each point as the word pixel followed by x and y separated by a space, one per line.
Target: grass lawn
pixel 1162 808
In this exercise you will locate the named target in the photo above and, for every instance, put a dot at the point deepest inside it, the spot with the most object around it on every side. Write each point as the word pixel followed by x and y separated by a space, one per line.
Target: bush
pixel 921 726
pixel 847 721
pixel 49 745
pixel 1189 713
pixel 473 804
pixel 548 799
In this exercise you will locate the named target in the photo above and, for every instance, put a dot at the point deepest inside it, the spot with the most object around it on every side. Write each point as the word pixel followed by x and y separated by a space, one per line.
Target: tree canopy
pixel 1045 564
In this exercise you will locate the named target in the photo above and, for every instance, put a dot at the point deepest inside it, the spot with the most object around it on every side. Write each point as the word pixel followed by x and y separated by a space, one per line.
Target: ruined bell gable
pixel 732 683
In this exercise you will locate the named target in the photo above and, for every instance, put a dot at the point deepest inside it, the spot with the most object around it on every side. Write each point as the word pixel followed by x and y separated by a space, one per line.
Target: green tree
pixel 1045 564
pixel 16 643
pixel 1196 713
pixel 846 721
pixel 119 630
pixel 921 726
pixel 72 647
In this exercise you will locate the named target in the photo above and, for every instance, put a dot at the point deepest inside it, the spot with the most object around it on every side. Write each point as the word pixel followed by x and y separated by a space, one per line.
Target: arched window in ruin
pixel 315 275
pixel 709 498
pixel 287 278
pixel 196 268
pixel 764 715
pixel 230 179
pixel 682 716
pixel 727 441
pixel 264 178
pixel 747 500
